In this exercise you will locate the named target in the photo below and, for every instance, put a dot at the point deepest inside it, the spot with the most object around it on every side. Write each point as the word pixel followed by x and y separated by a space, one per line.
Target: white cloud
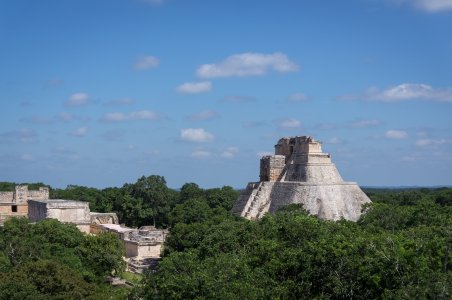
pixel 203 115
pixel 198 135
pixel 38 120
pixel 290 124
pixel 365 123
pixel 24 135
pixel 335 141
pixel 27 157
pixel 153 2
pixel 144 115
pixel 410 158
pixel 247 64
pixel 396 134
pixel 122 101
pixel 404 92
pixel 65 116
pixel 82 131
pixel 195 87
pixel 136 115
pixel 201 154
pixel 298 97
pixel 238 99
pixel 230 152
pixel 78 99
pixel 263 153
pixel 431 142
pixel 55 82
pixel 146 62
pixel 114 117
pixel 429 5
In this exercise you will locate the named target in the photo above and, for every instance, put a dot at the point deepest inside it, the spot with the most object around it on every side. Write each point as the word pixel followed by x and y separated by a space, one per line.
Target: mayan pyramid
pixel 300 172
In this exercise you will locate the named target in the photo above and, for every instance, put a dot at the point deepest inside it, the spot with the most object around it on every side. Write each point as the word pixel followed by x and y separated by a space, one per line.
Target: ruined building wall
pixel 271 167
pixel 66 211
pixel 6 197
pixel 15 204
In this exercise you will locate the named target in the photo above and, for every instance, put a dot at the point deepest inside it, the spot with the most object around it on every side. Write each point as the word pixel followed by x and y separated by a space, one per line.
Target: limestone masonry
pixel 300 172
pixel 14 204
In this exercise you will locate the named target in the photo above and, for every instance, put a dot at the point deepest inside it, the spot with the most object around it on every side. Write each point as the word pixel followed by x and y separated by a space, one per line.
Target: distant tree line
pixel 148 201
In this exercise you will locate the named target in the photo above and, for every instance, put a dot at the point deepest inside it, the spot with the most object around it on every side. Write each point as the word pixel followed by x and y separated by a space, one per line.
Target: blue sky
pixel 101 92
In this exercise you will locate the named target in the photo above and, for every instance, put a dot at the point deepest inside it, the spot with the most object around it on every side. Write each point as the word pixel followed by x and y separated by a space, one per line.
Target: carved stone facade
pixel 300 172
pixel 15 204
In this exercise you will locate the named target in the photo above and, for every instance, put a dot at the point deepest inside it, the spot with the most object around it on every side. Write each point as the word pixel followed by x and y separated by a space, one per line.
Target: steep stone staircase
pixel 259 204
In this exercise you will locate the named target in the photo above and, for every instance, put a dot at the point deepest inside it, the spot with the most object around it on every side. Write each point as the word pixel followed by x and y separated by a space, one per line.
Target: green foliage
pixel 44 279
pixel 401 248
pixel 51 260
pixel 11 186
pixel 103 254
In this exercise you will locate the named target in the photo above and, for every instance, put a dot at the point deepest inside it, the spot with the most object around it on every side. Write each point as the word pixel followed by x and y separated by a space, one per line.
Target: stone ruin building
pixel 143 245
pixel 300 172
pixel 15 204
pixel 65 211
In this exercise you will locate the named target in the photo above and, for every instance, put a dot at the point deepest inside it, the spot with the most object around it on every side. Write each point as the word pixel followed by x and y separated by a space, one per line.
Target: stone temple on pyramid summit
pixel 300 173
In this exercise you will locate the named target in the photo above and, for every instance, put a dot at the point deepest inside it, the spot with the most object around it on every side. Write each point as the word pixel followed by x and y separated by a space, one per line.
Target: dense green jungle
pixel 401 248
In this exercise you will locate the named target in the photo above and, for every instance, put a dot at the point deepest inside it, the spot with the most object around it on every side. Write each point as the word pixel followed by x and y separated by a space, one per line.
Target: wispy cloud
pixel 253 124
pixel 153 2
pixel 365 123
pixel 122 101
pixel 432 142
pixel 200 154
pixel 238 99
pixel 54 82
pixel 80 132
pixel 113 135
pixel 335 141
pixel 195 87
pixel 263 153
pixel 114 117
pixel 144 115
pixel 404 92
pixel 203 115
pixel 431 6
pixel 65 116
pixel 396 134
pixel 78 99
pixel 247 64
pixel 297 98
pixel 27 157
pixel 197 135
pixel 146 62
pixel 289 124
pixel 136 115
pixel 24 135
pixel 230 152
pixel 38 120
